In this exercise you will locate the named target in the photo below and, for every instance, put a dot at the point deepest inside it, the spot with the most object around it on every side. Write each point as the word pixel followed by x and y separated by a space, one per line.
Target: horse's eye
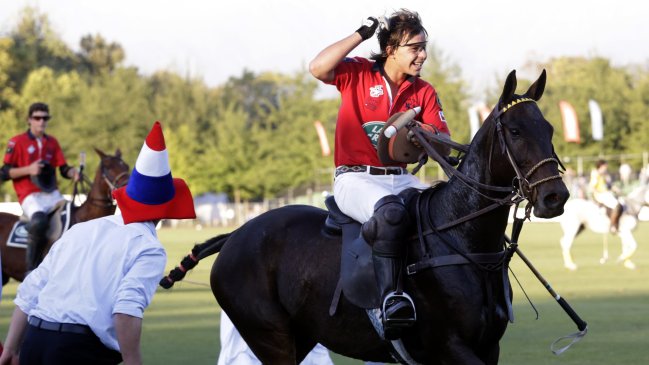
pixel 515 131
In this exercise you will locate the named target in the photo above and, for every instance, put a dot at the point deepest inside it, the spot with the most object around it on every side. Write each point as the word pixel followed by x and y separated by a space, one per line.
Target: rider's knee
pixel 389 223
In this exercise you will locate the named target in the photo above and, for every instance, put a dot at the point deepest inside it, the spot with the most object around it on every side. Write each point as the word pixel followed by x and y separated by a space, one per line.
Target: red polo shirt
pixel 365 107
pixel 22 150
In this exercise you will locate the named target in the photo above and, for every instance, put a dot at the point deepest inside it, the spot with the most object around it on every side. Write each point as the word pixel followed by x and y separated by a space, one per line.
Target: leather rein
pixel 520 190
pixel 113 183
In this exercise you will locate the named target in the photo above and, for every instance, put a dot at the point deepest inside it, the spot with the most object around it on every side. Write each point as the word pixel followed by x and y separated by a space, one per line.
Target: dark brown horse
pixel 276 275
pixel 112 173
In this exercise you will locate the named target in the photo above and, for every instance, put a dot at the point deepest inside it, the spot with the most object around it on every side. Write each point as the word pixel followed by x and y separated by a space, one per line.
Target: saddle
pixel 59 222
pixel 357 281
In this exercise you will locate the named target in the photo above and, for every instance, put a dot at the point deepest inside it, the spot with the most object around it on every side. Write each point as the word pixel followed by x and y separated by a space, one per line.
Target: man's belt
pixel 60 327
pixel 372 170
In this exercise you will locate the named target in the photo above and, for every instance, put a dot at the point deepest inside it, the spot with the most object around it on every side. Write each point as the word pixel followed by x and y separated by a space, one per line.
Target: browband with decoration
pixel 517 101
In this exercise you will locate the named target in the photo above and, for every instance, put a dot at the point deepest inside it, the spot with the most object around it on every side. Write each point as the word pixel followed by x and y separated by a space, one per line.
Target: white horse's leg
pixel 566 243
pixel 629 246
pixel 604 249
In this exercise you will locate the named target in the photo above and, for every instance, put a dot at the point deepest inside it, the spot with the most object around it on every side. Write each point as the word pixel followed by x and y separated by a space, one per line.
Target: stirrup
pixel 398 322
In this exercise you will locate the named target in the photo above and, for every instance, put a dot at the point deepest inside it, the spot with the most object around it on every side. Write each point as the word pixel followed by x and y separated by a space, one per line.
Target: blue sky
pixel 218 39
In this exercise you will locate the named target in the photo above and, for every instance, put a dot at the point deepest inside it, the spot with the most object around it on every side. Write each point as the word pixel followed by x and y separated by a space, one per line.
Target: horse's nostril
pixel 555 200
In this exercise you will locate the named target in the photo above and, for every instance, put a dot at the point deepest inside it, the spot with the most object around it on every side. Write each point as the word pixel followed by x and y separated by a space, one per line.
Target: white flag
pixel 570 122
pixel 474 121
pixel 597 123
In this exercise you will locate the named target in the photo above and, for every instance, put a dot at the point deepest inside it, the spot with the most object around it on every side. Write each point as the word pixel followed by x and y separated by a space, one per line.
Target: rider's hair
pixel 38 107
pixel 600 162
pixel 401 26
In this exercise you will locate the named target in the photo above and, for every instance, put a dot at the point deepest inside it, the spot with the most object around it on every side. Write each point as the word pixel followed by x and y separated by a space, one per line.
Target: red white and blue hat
pixel 151 192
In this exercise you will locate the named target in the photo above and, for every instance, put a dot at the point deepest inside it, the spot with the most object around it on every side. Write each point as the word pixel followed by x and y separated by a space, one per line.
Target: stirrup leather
pixel 398 322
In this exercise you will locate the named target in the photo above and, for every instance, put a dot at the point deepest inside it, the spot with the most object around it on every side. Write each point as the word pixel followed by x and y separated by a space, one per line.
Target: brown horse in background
pixel 111 174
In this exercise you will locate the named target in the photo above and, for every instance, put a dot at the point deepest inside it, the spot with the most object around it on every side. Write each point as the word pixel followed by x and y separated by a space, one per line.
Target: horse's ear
pixel 118 153
pixel 536 89
pixel 510 87
pixel 100 152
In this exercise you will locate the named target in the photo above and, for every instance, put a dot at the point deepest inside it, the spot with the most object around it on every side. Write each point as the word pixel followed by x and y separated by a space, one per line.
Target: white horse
pixel 580 213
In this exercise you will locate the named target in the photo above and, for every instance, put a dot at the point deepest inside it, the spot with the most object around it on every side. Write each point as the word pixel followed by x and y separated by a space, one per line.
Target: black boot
pixel 36 240
pixel 397 308
pixel 386 232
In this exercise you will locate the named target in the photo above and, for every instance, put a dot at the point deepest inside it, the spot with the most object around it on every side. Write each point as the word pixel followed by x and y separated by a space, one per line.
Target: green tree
pixel 638 138
pixel 98 55
pixel 577 80
pixel 35 45
pixel 446 77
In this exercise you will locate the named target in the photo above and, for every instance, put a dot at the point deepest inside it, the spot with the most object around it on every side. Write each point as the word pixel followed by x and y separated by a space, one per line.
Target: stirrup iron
pixel 401 322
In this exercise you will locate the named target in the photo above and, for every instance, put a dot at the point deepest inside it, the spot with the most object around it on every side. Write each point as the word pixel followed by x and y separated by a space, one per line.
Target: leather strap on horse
pixel 494 259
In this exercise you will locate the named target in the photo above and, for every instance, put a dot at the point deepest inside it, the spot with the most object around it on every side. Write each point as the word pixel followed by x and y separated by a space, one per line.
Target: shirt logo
pixel 441 116
pixel 31 149
pixel 376 91
pixel 372 129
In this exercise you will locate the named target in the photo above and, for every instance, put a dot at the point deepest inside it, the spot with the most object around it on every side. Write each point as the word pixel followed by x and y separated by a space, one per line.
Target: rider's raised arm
pixel 323 65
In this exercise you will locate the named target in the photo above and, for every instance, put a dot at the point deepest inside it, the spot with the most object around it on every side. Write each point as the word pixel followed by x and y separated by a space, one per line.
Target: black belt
pixel 372 170
pixel 60 327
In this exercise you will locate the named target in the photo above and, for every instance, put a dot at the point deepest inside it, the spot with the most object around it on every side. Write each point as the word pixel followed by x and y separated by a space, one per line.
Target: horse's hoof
pixel 629 264
pixel 602 260
pixel 570 266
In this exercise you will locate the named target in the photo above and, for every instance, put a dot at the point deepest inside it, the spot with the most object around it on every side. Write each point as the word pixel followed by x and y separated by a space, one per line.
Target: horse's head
pixel 521 149
pixel 114 171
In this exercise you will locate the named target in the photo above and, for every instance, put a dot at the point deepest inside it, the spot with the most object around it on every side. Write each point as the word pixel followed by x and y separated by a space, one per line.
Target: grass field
pixel 182 325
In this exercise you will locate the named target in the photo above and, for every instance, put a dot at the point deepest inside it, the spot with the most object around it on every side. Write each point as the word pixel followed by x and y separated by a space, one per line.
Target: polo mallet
pixel 581 325
pixel 604 250
pixel 82 164
pixel 401 122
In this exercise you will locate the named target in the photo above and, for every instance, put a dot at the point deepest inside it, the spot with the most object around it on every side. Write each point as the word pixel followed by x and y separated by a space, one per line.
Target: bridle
pixel 493 263
pixel 521 188
pixel 112 181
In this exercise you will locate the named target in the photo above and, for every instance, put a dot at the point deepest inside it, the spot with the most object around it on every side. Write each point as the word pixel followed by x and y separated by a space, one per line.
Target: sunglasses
pixel 41 117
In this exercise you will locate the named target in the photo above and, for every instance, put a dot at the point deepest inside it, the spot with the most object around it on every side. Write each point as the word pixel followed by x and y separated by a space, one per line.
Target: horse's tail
pixel 199 252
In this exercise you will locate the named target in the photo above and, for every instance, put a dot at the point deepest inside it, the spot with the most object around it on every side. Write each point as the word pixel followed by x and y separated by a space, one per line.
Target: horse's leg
pixel 272 345
pixel 569 234
pixel 302 348
pixel 266 329
pixel 629 246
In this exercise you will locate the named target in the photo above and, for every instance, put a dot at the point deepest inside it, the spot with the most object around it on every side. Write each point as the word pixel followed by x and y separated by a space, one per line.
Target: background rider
pixel 30 161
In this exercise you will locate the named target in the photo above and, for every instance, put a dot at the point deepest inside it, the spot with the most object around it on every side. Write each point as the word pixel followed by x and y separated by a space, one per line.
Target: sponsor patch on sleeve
pixel 10 147
pixel 441 116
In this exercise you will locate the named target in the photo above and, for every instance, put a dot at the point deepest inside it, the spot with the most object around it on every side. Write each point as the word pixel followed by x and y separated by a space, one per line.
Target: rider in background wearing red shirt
pixel 30 161
pixel 365 189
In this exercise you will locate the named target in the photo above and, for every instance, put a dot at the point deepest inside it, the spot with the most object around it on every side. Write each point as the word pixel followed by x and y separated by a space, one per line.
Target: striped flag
pixel 322 136
pixel 570 122
pixel 597 123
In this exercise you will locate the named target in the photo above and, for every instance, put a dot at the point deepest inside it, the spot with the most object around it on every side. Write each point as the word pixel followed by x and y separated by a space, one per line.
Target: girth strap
pixel 481 258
